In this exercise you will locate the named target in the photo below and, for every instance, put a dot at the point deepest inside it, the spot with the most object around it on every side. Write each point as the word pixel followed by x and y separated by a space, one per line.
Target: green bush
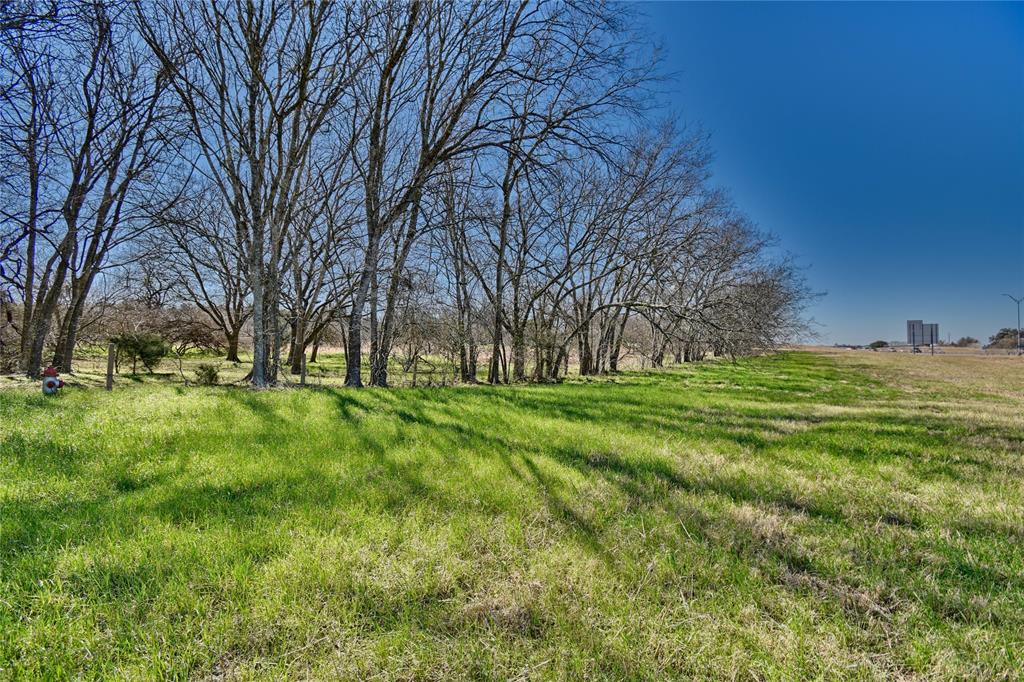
pixel 150 349
pixel 207 374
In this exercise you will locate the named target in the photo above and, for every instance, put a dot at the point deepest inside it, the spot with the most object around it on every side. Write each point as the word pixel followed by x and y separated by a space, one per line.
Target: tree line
pixel 487 182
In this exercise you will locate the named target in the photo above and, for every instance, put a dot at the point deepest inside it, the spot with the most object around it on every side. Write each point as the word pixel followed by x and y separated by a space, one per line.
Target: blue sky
pixel 882 143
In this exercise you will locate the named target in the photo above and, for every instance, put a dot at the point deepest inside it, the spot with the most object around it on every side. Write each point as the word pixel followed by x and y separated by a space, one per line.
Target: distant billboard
pixel 920 333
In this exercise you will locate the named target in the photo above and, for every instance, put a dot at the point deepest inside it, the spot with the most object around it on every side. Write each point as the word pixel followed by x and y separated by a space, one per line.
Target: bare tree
pixel 429 98
pixel 88 119
pixel 28 16
pixel 318 253
pixel 195 244
pixel 259 83
pixel 435 181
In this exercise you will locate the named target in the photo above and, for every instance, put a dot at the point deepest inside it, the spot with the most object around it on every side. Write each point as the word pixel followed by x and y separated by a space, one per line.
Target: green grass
pixel 787 517
pixel 328 371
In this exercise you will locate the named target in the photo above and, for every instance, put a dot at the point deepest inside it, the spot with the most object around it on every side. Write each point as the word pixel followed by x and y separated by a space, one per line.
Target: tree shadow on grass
pixel 648 480
pixel 870 439
pixel 450 427
pixel 467 423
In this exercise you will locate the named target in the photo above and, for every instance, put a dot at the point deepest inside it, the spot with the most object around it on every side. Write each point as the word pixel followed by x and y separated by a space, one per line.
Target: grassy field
pixel 328 371
pixel 846 515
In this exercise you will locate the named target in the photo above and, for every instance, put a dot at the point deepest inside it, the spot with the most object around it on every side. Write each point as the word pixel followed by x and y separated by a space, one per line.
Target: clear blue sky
pixel 882 143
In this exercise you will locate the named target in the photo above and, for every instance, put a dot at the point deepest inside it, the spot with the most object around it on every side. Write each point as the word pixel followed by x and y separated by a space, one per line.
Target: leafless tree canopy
pixel 486 187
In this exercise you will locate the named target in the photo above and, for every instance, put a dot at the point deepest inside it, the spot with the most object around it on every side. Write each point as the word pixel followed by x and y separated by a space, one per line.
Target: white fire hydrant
pixel 51 382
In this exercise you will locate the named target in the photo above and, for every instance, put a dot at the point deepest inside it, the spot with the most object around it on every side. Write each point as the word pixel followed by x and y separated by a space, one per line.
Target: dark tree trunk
pixel 353 351
pixel 232 355
pixel 354 338
pixel 472 353
pixel 297 348
pixel 64 355
pixel 40 329
pixel 519 356
pixel 315 350
pixel 463 362
pixel 495 365
pixel 259 330
pixel 553 368
pixel 504 365
pixel 275 337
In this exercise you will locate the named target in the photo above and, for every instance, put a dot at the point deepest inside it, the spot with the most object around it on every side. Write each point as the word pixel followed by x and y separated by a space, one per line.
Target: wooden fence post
pixel 111 350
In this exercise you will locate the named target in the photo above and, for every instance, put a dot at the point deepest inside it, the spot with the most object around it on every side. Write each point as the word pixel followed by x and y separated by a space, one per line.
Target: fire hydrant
pixel 51 382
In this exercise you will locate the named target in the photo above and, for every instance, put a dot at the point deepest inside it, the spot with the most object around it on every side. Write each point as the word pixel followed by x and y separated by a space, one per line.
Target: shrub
pixel 207 374
pixel 149 348
pixel 878 344
pixel 1004 338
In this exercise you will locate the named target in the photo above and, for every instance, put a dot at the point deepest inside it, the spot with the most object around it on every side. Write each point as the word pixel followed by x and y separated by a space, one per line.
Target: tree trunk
pixel 27 310
pixel 385 338
pixel 467 343
pixel 518 356
pixel 463 362
pixel 614 350
pixel 233 345
pixel 40 329
pixel 504 365
pixel 64 355
pixel 297 350
pixel 274 319
pixel 298 360
pixel 586 355
pixel 494 367
pixel 561 362
pixel 259 333
pixel 464 332
pixel 353 350
pixel 499 273
pixel 354 338
pixel 379 368
pixel 472 353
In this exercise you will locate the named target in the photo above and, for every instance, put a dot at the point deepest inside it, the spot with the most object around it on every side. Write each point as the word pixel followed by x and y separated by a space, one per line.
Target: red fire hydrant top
pixel 50 372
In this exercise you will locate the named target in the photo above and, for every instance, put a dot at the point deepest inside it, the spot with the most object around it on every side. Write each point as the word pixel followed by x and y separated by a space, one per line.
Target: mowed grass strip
pixel 784 517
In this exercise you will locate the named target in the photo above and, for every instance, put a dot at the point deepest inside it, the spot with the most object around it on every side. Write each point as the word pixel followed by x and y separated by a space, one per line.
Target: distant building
pixel 921 334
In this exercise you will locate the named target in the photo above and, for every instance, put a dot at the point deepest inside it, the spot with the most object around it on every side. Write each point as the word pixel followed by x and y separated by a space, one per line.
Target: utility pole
pixel 1018 302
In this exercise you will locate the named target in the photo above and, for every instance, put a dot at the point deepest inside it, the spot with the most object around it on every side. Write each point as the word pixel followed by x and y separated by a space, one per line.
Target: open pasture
pixel 833 515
